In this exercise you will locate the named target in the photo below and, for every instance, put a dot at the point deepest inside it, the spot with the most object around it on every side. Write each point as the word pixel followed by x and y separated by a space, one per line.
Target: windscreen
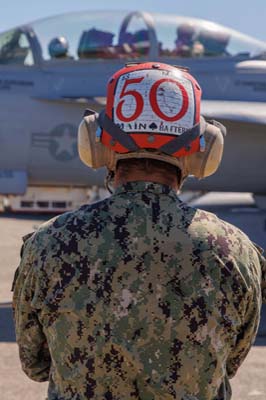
pixel 15 48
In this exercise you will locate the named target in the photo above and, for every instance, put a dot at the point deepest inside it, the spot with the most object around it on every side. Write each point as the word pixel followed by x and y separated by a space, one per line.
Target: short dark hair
pixel 149 166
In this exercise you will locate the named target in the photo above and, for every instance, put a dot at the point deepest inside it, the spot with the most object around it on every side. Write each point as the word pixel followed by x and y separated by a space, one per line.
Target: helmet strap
pixel 183 140
pixel 170 148
pixel 116 133
pixel 107 182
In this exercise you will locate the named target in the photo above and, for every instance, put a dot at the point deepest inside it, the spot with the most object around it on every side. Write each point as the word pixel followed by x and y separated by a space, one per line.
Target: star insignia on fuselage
pixel 61 142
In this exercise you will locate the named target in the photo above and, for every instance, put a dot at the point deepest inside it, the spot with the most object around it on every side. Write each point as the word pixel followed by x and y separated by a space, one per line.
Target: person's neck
pixel 143 177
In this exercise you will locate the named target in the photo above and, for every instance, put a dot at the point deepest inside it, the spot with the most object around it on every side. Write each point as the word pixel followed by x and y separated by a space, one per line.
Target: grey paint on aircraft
pixel 43 99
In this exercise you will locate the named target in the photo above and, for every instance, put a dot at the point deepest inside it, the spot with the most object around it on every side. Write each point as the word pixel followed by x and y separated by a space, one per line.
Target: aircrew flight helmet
pixel 152 111
pixel 58 47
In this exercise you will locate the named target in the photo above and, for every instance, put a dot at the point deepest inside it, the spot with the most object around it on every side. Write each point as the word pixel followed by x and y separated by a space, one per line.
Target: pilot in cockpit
pixel 186 43
pixel 58 48
pixel 215 42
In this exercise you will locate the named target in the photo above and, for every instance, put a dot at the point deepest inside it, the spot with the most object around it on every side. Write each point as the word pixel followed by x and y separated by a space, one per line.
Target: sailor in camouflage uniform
pixel 140 296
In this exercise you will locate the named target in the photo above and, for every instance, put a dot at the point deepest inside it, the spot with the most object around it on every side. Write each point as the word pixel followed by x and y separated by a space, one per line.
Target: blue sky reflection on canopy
pixel 105 32
pixel 247 17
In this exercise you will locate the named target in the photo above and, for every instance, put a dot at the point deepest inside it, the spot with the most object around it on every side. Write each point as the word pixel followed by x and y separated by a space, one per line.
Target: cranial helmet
pixel 152 111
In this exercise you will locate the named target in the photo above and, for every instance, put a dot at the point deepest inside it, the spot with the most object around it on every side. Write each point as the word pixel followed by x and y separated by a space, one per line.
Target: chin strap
pixel 108 180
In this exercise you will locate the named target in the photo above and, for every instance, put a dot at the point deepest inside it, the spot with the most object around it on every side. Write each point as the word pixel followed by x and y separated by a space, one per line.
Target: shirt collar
pixel 151 187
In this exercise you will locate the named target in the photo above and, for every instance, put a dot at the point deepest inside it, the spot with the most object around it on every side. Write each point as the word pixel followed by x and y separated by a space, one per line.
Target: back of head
pixel 142 168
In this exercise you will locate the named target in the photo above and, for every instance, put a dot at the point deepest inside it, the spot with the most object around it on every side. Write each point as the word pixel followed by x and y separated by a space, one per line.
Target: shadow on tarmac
pixel 7 332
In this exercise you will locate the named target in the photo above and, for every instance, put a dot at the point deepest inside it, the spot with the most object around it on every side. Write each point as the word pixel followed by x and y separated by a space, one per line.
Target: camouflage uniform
pixel 138 296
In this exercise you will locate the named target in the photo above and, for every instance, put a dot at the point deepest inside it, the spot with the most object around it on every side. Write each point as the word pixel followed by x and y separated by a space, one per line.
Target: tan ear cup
pixel 91 151
pixel 203 164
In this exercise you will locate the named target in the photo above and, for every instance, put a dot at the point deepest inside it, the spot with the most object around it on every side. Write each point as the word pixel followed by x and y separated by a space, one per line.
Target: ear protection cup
pixel 205 163
pixel 91 151
pixel 201 164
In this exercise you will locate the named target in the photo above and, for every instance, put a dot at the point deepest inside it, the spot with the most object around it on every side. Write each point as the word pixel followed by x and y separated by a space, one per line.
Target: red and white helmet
pixel 152 111
pixel 152 106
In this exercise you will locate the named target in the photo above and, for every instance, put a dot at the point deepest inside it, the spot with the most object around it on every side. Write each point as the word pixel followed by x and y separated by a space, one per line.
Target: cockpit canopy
pixel 118 35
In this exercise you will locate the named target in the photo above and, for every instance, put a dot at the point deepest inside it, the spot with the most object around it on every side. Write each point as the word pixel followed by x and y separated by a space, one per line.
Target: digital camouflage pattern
pixel 138 296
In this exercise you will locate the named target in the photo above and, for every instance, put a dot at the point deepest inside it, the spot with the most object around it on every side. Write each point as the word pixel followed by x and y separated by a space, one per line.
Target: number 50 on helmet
pixel 152 111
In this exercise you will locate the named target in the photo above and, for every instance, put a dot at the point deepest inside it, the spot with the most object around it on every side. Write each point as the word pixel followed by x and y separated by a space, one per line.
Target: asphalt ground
pixel 239 209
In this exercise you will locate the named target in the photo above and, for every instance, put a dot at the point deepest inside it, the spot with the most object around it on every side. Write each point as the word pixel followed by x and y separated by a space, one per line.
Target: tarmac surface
pixel 238 209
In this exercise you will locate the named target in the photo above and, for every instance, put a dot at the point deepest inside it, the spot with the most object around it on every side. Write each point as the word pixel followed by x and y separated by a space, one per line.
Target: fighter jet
pixel 53 69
